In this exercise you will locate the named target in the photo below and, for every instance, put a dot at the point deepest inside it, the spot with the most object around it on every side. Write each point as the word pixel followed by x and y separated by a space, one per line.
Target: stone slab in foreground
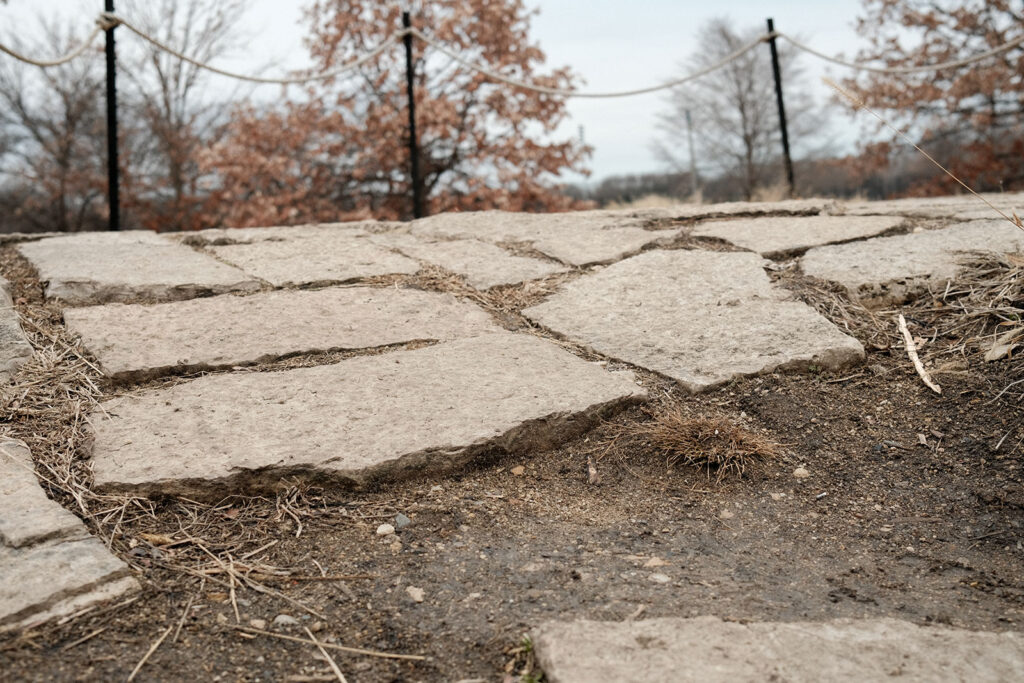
pixel 709 650
pixel 577 238
pixel 702 318
pixel 27 515
pixel 49 566
pixel 890 269
pixel 100 267
pixel 135 342
pixel 322 257
pixel 484 265
pixel 15 349
pixel 774 236
pixel 432 409
pixel 56 578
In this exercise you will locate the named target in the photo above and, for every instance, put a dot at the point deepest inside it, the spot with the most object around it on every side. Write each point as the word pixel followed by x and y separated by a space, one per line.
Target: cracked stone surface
pixel 484 265
pixel 702 318
pixel 939 207
pixel 885 270
pixel 709 650
pixel 576 238
pixel 806 207
pixel 774 236
pixel 100 267
pixel 14 347
pixel 49 566
pixel 320 258
pixel 136 342
pixel 394 414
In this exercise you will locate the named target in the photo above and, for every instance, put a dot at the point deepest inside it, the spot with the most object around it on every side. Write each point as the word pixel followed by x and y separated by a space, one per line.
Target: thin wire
pixel 44 63
pixel 905 69
pixel 575 93
pixel 389 42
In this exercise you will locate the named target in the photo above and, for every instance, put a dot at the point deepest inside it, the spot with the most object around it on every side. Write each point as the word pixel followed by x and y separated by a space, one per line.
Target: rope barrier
pixel 390 41
pixel 44 63
pixel 108 20
pixel 575 93
pixel 927 68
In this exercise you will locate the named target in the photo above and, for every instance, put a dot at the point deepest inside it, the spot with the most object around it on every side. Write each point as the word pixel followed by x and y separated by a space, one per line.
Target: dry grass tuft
pixel 714 444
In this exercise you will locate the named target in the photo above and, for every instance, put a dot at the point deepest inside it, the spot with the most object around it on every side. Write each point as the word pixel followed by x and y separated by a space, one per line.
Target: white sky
pixel 613 44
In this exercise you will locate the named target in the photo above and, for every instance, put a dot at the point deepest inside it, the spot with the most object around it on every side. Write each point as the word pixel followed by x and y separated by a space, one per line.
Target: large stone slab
pixel 709 650
pixel 324 257
pixel 702 318
pixel 484 265
pixel 889 269
pixel 99 267
pixel 432 409
pixel 774 236
pixel 15 349
pixel 27 516
pixel 577 238
pixel 135 342
pixel 58 577
pixel 225 236
pixel 939 207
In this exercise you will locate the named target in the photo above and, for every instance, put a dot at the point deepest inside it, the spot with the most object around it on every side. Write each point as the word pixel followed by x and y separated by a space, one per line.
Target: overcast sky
pixel 613 44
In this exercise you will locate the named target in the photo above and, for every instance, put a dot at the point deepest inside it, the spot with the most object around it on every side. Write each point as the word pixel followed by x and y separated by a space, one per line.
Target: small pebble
pixel 801 473
pixel 285 620
pixel 385 530
pixel 415 593
pixel 726 514
pixel 258 623
pixel 401 521
pixel 659 578
pixel 518 470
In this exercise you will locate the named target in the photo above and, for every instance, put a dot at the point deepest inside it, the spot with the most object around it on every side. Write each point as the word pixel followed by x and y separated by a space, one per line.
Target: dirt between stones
pixel 926 533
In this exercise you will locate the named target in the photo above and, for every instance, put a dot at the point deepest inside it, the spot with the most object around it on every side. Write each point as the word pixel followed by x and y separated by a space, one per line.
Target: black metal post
pixel 113 179
pixel 414 151
pixel 782 108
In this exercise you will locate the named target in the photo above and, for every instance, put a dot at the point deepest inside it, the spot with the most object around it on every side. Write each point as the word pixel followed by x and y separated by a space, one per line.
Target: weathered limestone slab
pixel 14 347
pixel 484 265
pixel 938 207
pixel 709 650
pixel 225 236
pixel 27 516
pixel 702 318
pixel 774 236
pixel 58 577
pixel 326 257
pixel 134 342
pixel 577 238
pixel 885 270
pixel 98 267
pixel 431 409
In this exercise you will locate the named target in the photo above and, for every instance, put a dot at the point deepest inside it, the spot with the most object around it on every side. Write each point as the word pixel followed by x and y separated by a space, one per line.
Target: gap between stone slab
pixel 694 220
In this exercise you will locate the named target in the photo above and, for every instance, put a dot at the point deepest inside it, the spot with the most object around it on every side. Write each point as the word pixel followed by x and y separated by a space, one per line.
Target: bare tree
pixel 734 111
pixel 171 103
pixel 52 156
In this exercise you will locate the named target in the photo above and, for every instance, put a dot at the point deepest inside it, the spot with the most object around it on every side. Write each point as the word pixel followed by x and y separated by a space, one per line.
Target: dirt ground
pixel 908 504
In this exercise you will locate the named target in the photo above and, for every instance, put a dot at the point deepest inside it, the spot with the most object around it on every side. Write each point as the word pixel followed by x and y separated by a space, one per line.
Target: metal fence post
pixel 414 152
pixel 782 108
pixel 113 178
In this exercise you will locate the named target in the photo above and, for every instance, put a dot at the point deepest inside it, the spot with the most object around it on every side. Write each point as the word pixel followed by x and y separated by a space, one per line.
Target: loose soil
pixel 886 523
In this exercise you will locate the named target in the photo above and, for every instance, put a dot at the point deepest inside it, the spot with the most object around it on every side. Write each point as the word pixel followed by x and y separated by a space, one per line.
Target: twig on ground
pixel 149 652
pixel 330 660
pixel 331 646
pixel 912 352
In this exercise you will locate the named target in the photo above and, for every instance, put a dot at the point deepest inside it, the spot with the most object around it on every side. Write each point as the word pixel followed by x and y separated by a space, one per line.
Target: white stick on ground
pixel 912 352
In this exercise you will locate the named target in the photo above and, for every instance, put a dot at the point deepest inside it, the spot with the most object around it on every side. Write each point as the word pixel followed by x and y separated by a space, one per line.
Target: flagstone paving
pixel 431 409
pixel 324 257
pixel 885 270
pixel 483 265
pixel 49 565
pixel 135 342
pixel 708 649
pixel 100 267
pixel 15 349
pixel 579 238
pixel 775 236
pixel 702 318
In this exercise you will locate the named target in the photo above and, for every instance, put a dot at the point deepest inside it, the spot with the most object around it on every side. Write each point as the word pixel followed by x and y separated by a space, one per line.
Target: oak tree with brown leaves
pixel 971 117
pixel 341 151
